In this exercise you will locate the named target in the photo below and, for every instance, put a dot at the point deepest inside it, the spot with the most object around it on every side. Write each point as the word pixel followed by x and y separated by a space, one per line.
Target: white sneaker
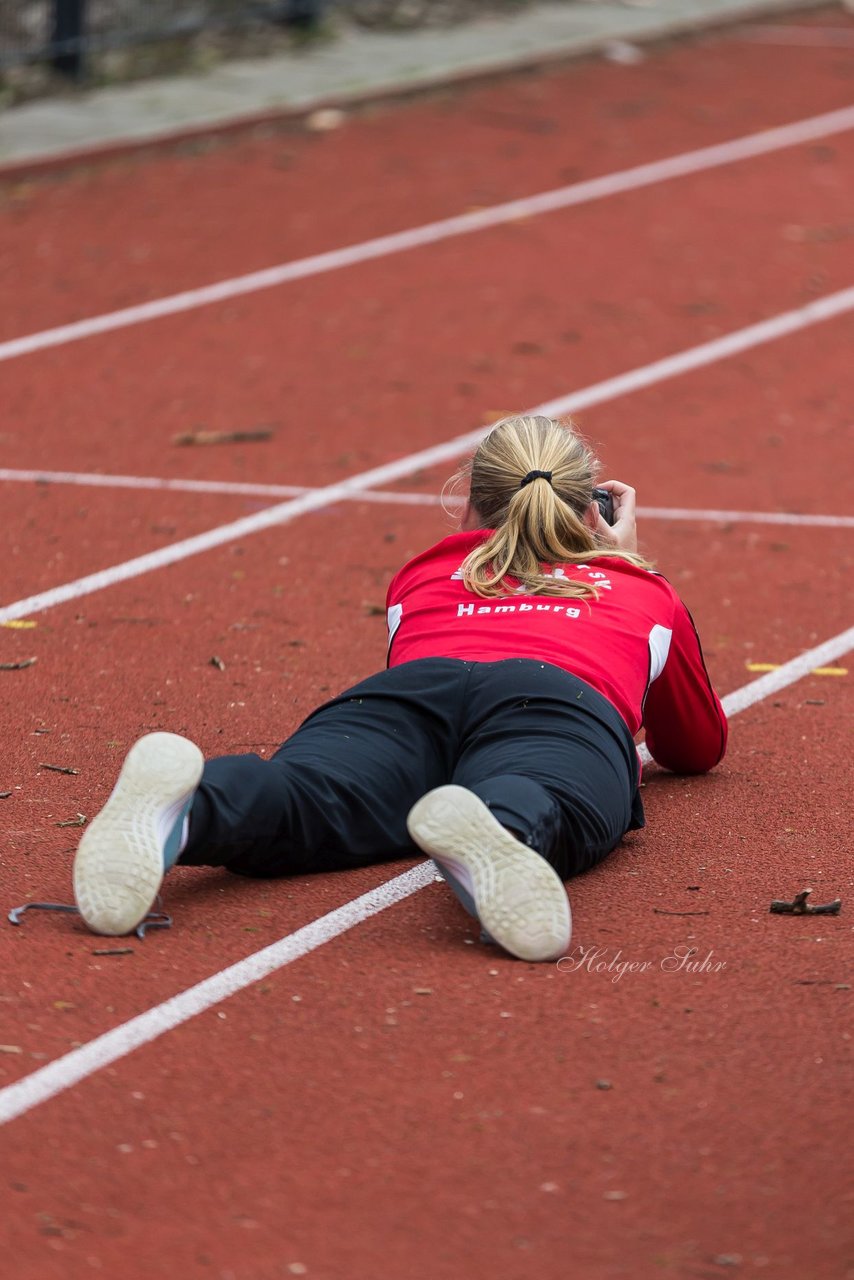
pixel 518 897
pixel 135 839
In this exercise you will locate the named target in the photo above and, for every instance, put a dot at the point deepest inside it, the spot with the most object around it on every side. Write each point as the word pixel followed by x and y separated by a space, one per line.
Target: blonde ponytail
pixel 531 482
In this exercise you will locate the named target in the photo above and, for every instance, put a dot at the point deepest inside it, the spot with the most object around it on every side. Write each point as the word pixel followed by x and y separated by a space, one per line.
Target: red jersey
pixel 636 644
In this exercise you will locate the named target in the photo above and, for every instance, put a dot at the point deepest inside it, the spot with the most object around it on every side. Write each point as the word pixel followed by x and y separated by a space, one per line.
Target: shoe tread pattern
pixel 118 868
pixel 520 899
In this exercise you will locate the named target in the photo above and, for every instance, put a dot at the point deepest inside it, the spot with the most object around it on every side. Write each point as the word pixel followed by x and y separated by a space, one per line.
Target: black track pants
pixel 551 757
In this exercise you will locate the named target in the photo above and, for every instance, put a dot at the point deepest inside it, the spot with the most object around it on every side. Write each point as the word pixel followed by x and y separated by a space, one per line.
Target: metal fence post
pixel 69 25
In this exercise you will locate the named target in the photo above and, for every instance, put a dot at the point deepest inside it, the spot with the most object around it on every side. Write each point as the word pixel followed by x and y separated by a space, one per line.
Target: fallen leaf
pixel 224 437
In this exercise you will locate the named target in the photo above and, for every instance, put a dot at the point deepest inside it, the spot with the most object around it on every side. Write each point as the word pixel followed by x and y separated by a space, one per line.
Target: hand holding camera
pixel 616 515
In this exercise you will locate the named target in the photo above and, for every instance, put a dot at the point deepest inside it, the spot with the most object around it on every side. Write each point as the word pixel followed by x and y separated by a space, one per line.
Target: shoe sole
pixel 519 898
pixel 119 868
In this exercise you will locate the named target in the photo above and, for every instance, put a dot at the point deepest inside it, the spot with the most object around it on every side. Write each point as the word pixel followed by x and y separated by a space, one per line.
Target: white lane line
pixel 823 655
pixel 788 322
pixel 644 175
pixel 240 488
pixel 100 480
pixel 64 1072
pixel 789 673
pixel 714 516
pixel 233 488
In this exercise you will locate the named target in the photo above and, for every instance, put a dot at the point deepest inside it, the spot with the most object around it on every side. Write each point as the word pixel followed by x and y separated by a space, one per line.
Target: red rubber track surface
pixel 121 232
pixel 438 337
pixel 403 1101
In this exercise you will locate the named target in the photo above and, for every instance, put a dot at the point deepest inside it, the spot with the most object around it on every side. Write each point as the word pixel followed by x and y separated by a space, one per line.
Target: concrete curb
pixel 155 114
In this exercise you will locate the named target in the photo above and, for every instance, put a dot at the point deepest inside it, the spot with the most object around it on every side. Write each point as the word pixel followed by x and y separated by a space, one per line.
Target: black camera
pixel 605 501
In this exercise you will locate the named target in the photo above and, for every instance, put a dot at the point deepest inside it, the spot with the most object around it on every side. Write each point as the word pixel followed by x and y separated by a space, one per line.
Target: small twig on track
pixel 79 821
pixel 17 666
pixel 58 768
pixel 660 911
pixel 800 907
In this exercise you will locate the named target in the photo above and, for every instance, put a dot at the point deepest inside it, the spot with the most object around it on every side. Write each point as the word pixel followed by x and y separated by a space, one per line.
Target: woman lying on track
pixel 524 653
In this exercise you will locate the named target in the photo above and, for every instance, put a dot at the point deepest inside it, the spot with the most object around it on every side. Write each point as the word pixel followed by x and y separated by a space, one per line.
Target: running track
pixel 378 1096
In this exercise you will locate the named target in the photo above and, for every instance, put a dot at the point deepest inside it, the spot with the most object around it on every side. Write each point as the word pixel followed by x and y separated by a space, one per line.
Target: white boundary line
pixel 822 655
pixel 779 326
pixel 240 488
pixel 790 672
pixel 645 175
pixel 714 516
pixel 73 1067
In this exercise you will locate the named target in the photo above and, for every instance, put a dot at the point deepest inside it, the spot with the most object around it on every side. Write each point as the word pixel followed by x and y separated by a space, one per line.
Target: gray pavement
pixel 356 66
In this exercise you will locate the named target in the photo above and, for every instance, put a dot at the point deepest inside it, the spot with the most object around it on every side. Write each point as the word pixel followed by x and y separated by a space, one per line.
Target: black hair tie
pixel 536 475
